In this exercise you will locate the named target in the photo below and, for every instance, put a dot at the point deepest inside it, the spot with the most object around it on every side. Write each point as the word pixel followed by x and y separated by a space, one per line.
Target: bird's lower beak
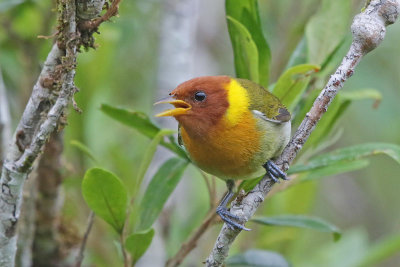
pixel 181 107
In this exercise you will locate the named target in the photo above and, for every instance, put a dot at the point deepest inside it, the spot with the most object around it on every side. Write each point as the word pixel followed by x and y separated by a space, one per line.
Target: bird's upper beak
pixel 181 107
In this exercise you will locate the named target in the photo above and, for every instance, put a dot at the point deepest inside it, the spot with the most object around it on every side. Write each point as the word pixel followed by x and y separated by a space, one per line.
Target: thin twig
pixel 211 218
pixel 80 257
pixel 92 25
pixel 210 188
pixel 125 256
pixel 368 30
pixel 191 243
pixel 46 37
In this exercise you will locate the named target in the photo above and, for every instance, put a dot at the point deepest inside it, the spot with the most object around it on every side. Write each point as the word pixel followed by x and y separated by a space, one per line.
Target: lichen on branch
pixel 89 19
pixel 44 114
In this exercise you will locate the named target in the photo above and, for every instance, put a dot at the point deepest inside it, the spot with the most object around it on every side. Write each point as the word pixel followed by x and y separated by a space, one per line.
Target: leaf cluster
pixel 132 214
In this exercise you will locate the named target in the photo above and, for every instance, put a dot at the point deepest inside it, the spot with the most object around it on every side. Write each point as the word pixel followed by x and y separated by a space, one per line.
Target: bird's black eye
pixel 200 96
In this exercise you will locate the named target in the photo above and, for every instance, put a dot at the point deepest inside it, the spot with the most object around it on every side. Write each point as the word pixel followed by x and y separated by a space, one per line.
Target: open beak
pixel 181 107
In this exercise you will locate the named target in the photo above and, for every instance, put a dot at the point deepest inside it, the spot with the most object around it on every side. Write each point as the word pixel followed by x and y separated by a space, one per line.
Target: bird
pixel 231 128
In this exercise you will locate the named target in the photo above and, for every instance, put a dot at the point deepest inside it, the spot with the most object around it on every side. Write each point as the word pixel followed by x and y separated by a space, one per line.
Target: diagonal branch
pixel 79 258
pixel 368 31
pixel 43 115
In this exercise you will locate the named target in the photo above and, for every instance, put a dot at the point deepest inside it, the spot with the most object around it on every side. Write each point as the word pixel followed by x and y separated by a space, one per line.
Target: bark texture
pixel 43 115
pixel 5 119
pixel 47 245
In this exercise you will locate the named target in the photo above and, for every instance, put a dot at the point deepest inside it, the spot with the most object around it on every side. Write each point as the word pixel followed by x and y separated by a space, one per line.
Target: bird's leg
pixel 274 172
pixel 223 212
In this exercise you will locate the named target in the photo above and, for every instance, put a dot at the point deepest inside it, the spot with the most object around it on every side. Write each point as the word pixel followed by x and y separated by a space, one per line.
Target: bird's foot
pixel 274 172
pixel 229 218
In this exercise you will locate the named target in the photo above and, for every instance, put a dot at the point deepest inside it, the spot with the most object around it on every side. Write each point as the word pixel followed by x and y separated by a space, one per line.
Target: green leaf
pixel 244 50
pixel 326 29
pixel 246 12
pixel 334 169
pixel 305 106
pixel 335 111
pixel 158 191
pixel 293 82
pixel 381 251
pixel 149 154
pixel 84 149
pixel 141 122
pixel 327 123
pixel 106 195
pixel 313 172
pixel 134 119
pixel 249 184
pixel 362 94
pixel 333 60
pixel 299 55
pixel 259 258
pixel 137 244
pixel 301 221
pixel 351 153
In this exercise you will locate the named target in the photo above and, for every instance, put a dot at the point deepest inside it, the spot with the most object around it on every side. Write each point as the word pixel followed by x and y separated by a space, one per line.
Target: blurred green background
pixel 153 46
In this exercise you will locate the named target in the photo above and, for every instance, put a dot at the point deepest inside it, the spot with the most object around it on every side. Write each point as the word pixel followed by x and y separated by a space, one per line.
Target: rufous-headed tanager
pixel 231 128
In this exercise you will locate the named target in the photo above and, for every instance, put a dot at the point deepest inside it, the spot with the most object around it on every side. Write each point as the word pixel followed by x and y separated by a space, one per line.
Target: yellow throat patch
pixel 238 99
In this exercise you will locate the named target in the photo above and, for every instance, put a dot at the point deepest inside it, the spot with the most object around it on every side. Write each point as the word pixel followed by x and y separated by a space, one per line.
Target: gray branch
pixel 12 177
pixel 5 118
pixel 368 29
pixel 27 221
pixel 50 97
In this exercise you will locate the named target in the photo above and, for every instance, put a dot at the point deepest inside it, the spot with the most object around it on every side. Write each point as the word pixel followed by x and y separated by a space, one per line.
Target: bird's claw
pixel 229 218
pixel 274 172
pixel 222 211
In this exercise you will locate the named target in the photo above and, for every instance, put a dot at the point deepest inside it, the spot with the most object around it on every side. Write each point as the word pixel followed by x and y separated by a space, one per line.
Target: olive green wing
pixel 264 104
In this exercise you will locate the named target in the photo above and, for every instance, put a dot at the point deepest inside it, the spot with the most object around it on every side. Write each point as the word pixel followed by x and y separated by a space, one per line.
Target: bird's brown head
pixel 199 103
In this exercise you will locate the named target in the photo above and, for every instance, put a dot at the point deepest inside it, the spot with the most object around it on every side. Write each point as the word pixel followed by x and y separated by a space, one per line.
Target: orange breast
pixel 227 151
